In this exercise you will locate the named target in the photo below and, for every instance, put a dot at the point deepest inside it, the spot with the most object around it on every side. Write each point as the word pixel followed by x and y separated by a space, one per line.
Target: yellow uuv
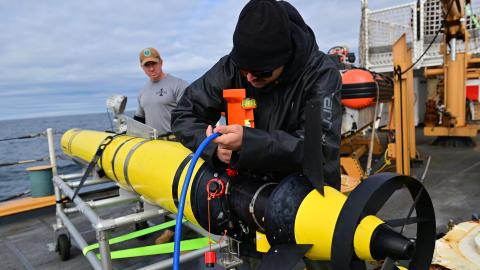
pixel 156 170
pixel 147 167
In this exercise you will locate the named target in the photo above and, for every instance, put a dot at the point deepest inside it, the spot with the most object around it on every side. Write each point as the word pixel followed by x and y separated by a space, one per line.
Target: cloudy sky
pixel 67 57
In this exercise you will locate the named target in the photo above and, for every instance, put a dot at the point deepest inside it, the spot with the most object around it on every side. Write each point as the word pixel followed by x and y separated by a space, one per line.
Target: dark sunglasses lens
pixel 263 74
pixel 258 74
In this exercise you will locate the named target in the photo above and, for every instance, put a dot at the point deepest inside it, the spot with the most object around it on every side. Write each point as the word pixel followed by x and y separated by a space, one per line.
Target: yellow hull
pixel 147 167
pixel 156 170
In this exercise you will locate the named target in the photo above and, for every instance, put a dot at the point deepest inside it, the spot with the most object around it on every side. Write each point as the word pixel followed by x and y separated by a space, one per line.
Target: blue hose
pixel 181 203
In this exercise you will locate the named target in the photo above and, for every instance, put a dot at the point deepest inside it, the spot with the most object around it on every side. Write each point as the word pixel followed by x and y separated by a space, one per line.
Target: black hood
pixel 304 45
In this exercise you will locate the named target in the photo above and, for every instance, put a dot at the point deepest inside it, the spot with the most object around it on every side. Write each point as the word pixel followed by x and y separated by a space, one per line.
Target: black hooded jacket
pixel 275 145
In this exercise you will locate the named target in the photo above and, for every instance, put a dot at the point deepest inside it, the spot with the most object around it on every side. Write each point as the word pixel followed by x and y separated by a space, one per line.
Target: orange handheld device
pixel 239 108
pixel 239 111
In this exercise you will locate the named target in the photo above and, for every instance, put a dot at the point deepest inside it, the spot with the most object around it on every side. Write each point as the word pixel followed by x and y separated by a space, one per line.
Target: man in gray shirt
pixel 160 94
pixel 156 101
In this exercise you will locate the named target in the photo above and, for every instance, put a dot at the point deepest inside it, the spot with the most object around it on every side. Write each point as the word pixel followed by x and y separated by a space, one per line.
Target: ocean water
pixel 14 179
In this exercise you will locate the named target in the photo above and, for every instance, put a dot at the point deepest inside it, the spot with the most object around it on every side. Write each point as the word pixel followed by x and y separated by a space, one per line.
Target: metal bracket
pixel 230 255
pixel 133 128
pixel 251 206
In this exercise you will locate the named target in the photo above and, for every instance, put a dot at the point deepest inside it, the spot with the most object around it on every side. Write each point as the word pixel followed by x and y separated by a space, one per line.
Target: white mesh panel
pixel 385 26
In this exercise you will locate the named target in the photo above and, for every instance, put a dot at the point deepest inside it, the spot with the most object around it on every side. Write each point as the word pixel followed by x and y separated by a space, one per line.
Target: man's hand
pixel 224 154
pixel 230 140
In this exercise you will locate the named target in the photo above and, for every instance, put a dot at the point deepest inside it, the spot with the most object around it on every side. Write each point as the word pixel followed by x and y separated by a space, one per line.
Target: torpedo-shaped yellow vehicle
pixel 296 217
pixel 283 219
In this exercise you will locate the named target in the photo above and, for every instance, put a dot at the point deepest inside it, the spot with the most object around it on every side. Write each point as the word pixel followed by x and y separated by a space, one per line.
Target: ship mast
pixel 363 46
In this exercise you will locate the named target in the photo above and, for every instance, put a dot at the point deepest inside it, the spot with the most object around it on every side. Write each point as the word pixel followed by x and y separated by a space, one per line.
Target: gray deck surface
pixel 453 182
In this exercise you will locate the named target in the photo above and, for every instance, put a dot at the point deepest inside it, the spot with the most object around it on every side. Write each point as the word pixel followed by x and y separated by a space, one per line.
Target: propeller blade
pixel 388 264
pixel 419 194
pixel 403 221
pixel 313 154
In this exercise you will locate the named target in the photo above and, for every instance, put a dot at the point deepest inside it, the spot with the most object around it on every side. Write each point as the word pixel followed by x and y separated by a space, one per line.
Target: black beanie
pixel 262 37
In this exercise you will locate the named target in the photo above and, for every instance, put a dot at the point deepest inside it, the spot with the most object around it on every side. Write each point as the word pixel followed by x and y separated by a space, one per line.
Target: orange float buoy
pixel 358 88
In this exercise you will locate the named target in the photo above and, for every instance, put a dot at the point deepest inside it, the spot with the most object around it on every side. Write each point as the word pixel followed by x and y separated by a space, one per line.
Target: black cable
pixel 431 42
pixel 16 196
pixel 398 72
pixel 34 135
pixel 23 162
pixel 30 136
pixel 93 163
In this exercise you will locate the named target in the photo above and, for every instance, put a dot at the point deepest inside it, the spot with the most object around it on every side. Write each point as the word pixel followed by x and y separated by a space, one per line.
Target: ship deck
pixel 27 240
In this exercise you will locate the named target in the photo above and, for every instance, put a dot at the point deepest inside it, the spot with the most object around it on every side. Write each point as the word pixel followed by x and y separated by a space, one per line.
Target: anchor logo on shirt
pixel 161 92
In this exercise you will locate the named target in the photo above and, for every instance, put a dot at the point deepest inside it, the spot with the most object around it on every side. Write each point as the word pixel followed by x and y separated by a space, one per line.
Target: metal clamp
pixel 251 206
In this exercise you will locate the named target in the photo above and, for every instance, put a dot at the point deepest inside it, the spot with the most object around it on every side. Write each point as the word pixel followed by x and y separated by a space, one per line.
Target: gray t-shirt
pixel 157 100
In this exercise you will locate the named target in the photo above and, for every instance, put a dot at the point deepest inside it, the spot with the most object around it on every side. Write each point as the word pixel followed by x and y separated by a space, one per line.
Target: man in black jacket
pixel 276 59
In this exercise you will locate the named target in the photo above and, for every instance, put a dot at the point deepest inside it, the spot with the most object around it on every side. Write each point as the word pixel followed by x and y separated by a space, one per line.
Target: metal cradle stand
pixel 65 229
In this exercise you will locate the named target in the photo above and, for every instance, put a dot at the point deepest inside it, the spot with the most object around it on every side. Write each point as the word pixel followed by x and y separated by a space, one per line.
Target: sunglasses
pixel 258 74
